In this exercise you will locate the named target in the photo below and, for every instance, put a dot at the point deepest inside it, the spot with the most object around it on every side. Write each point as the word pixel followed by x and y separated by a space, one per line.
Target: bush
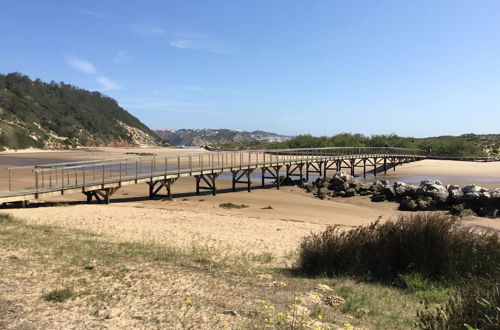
pixel 433 245
pixel 58 295
pixel 477 305
pixel 232 206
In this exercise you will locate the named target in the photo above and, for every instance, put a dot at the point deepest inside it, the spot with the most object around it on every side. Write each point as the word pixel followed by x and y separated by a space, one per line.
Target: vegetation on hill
pixel 458 146
pixel 38 114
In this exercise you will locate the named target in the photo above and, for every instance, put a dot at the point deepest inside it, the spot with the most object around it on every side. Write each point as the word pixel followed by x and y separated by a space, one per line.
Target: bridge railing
pixel 50 177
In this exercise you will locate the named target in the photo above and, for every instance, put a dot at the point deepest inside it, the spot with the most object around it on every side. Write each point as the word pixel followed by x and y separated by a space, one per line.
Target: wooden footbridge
pixel 101 179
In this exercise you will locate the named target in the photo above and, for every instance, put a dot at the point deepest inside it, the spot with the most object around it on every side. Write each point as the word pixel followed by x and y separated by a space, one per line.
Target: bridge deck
pixel 58 179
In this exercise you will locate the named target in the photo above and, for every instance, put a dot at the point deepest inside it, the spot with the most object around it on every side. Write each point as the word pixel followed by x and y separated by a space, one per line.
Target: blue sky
pixel 415 68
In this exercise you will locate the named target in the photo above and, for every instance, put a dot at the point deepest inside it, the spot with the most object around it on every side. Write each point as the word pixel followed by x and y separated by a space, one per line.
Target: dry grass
pixel 433 245
pixel 133 285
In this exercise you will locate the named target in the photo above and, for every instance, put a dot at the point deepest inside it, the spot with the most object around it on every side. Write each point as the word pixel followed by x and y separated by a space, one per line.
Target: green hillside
pixel 44 115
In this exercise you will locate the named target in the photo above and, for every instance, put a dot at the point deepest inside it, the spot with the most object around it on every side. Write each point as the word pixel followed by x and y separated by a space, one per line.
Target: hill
pixel 51 115
pixel 216 137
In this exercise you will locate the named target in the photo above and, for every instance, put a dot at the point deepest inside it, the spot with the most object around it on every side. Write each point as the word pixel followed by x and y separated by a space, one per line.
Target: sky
pixel 322 67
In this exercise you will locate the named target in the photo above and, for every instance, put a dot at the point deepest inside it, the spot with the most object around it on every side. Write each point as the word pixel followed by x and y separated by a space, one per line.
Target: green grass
pixel 233 206
pixel 267 207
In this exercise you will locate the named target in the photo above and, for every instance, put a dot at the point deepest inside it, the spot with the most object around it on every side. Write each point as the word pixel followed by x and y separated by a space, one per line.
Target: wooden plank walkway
pixel 100 179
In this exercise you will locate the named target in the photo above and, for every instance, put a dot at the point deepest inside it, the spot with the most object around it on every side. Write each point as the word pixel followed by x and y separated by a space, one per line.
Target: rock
pixel 265 277
pixel 355 184
pixel 376 186
pixel 460 210
pixel 455 194
pixel 364 187
pixel 338 185
pixel 408 204
pixel 433 189
pixel 350 192
pixel 400 189
pixel 471 188
pixel 321 194
pixel 344 176
pixel 430 182
pixel 389 193
pixel 425 204
pixel 286 181
pixel 334 301
pixel 320 182
pixel 338 193
pixel 365 192
pixel 307 186
pixel 378 198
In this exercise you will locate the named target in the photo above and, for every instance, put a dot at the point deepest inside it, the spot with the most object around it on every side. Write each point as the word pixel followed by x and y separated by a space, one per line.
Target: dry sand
pixel 189 220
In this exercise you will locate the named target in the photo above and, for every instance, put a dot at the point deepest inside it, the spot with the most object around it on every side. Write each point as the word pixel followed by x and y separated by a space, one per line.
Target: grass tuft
pixel 59 295
pixel 233 206
pixel 477 304
pixel 267 207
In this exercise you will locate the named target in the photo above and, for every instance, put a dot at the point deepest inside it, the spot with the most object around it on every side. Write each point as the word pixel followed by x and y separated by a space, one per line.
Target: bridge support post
pixel 364 168
pixel 155 187
pixel 375 166
pixel 385 165
pixel 101 195
pixel 209 180
pixel 238 175
pixel 352 161
pixel 291 170
pixel 315 169
pixel 273 175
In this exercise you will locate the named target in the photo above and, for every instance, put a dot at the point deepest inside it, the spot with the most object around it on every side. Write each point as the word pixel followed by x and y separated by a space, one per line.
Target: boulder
pixel 378 198
pixel 408 204
pixel 389 193
pixel 460 210
pixel 433 189
pixel 364 186
pixel 426 204
pixel 337 184
pixel 344 176
pixel 338 193
pixel 472 192
pixel 321 194
pixel 379 185
pixel 455 194
pixel 309 187
pixel 400 189
pixel 350 192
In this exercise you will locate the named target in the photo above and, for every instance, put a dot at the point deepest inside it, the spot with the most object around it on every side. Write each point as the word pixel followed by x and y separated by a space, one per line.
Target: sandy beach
pixel 189 219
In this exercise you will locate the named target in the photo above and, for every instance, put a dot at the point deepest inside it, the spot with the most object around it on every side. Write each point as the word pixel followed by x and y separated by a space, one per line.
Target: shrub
pixel 477 305
pixel 58 295
pixel 433 245
pixel 232 206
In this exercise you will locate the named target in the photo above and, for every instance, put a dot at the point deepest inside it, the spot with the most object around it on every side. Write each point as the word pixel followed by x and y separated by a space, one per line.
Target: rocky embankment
pixel 430 195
